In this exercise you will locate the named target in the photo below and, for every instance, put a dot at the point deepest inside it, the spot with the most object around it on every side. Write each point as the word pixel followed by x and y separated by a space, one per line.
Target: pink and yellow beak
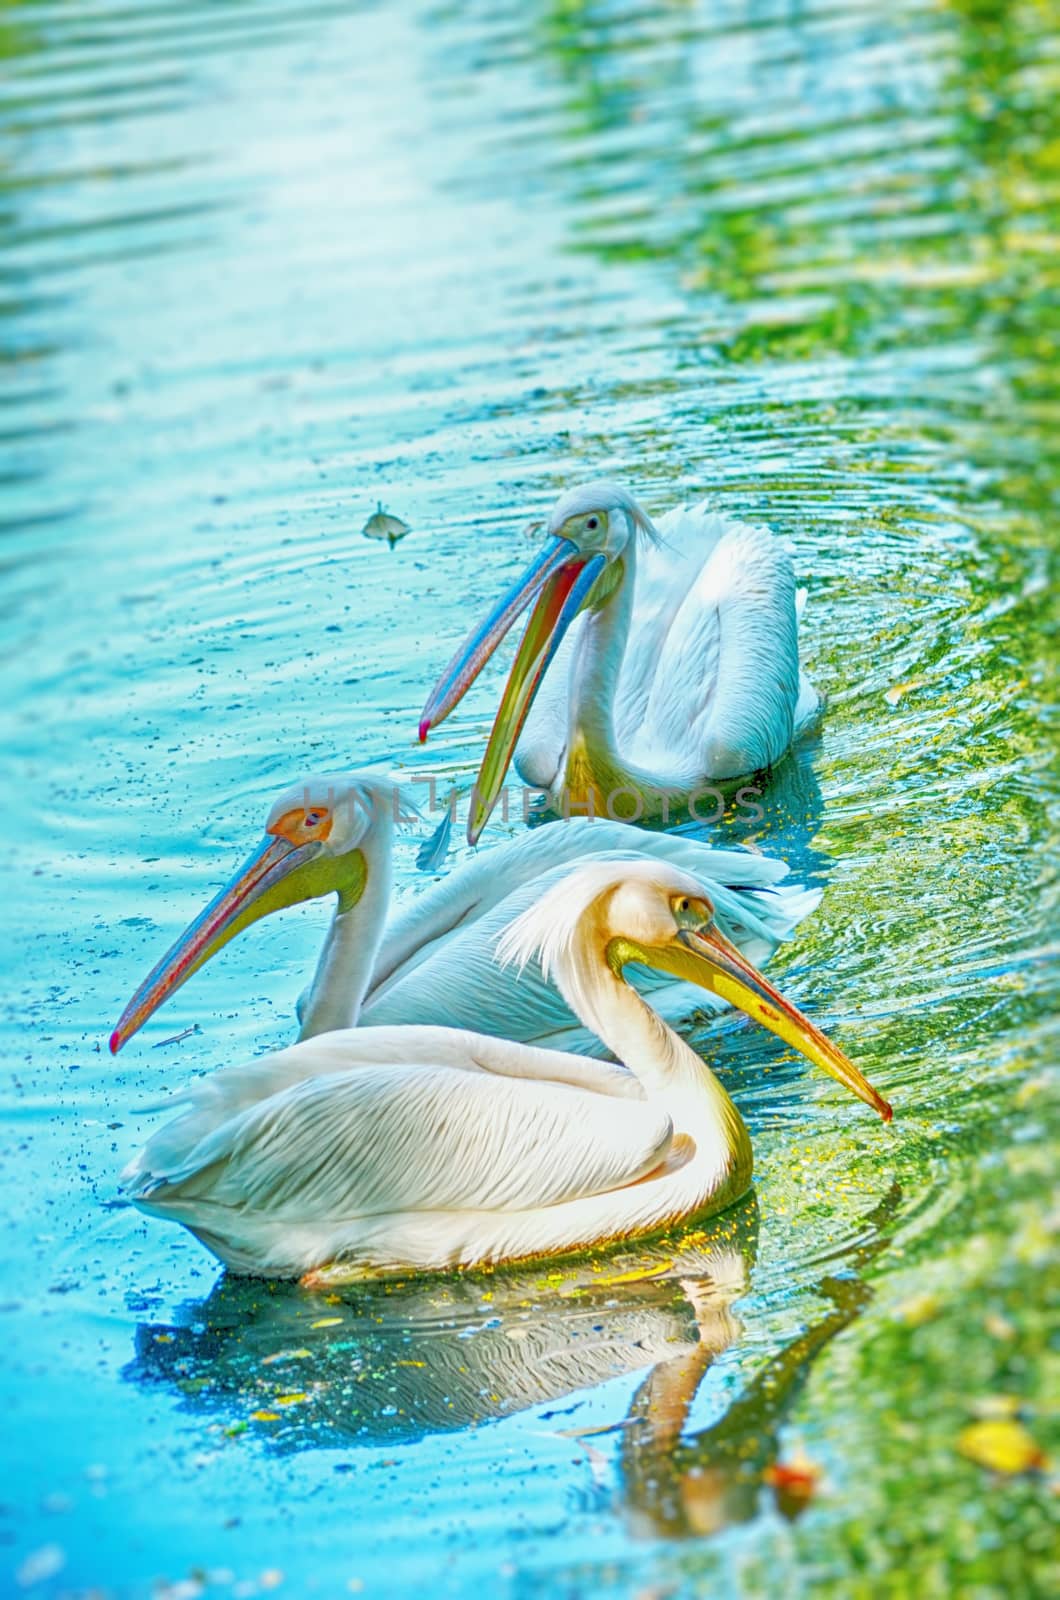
pixel 704 956
pixel 281 872
pixel 561 578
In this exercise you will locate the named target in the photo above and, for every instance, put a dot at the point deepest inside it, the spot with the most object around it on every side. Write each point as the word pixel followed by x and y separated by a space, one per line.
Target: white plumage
pixel 387 1149
pixel 709 685
pixel 666 655
pixel 431 961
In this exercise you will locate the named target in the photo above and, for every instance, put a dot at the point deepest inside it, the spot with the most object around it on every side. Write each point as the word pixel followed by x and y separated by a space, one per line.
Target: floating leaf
pixel 898 691
pixel 40 1565
pixel 327 1322
pixel 798 1477
pixel 794 1484
pixel 637 1274
pixel 1002 1444
pixel 264 1416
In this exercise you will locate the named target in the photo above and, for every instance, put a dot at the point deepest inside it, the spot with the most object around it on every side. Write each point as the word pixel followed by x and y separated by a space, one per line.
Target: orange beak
pixel 261 885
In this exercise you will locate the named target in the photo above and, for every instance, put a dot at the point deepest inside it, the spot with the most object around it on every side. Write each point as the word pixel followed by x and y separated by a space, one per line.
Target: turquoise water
pixel 262 266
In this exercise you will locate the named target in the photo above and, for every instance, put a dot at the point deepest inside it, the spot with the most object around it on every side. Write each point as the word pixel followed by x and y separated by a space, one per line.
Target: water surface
pixel 265 265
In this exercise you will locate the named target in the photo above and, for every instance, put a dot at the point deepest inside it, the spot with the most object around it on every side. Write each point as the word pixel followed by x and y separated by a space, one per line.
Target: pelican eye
pixel 593 522
pixel 691 910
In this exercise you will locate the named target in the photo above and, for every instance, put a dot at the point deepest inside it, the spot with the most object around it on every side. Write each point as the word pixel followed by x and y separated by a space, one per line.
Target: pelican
pixel 679 670
pixel 376 1150
pixel 432 962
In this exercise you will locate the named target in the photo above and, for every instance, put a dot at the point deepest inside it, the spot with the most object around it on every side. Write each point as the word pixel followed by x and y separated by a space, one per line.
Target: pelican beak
pixel 561 578
pixel 706 957
pixel 278 874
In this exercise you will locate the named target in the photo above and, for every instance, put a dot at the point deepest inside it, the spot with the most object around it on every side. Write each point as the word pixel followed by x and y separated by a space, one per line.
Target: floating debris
pixel 636 1274
pixel 177 1038
pixel 286 1355
pixel 1003 1445
pixel 794 1483
pixel 918 1309
pixel 381 525
pixel 898 691
pixel 433 851
pixel 989 1407
pixel 40 1565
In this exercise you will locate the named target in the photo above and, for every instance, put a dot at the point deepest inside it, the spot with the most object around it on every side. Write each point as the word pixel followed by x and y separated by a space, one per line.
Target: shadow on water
pixel 779 811
pixel 391 1363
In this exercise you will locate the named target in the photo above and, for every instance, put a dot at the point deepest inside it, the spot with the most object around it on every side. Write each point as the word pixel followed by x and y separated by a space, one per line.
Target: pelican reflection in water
pixel 392 1363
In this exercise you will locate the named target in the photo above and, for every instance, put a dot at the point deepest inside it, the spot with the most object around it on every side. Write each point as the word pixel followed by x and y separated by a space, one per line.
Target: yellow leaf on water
pixel 1002 1444
pixel 326 1322
pixel 285 1355
pixel 265 1416
pixel 898 691
pixel 290 1399
pixel 637 1274
pixel 1029 1090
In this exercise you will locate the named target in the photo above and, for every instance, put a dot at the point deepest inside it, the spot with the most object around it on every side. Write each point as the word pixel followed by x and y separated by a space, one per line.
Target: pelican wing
pixel 208 1104
pixel 434 915
pixel 437 916
pixel 722 648
pixel 439 964
pixel 422 1137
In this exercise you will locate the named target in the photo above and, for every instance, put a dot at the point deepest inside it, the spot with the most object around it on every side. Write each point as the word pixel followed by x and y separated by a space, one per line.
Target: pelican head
pixel 599 518
pixel 654 915
pixel 589 531
pixel 315 834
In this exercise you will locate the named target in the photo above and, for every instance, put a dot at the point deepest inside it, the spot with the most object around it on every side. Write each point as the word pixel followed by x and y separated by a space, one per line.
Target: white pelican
pixel 682 672
pixel 433 961
pixel 376 1150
